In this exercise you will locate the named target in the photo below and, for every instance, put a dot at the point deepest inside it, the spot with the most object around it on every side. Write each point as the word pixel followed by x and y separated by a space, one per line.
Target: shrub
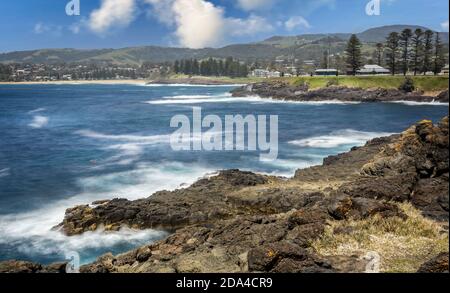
pixel 332 82
pixel 407 85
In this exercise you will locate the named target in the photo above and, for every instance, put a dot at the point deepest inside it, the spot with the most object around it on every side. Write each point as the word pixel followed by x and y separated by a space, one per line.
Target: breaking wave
pixel 30 232
pixel 339 138
pixel 39 122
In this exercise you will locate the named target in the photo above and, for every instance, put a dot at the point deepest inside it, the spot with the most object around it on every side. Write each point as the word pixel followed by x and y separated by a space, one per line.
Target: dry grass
pixel 402 244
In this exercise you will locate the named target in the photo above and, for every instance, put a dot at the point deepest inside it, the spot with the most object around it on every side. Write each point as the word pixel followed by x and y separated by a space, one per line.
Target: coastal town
pixel 408 52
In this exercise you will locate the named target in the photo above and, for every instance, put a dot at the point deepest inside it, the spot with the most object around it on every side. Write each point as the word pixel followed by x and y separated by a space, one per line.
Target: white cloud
pixel 444 26
pixel 250 5
pixel 296 22
pixel 112 13
pixel 249 26
pixel 40 28
pixel 162 11
pixel 199 23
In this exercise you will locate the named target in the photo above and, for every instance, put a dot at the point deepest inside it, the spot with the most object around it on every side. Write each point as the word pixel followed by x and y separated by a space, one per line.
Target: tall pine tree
pixel 392 46
pixel 417 54
pixel 427 51
pixel 379 54
pixel 439 57
pixel 353 52
pixel 405 38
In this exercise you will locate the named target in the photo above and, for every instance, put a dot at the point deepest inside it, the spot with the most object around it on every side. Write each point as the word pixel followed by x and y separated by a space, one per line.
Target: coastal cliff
pixel 280 90
pixel 389 197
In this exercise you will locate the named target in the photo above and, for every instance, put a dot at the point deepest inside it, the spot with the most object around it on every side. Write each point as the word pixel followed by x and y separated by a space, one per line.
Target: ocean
pixel 66 145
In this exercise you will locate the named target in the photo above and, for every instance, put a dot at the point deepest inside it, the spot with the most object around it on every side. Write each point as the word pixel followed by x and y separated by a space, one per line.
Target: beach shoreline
pixel 190 81
pixel 74 82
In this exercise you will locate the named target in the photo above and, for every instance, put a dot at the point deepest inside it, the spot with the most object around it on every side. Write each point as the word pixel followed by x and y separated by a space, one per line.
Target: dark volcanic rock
pixel 439 264
pixel 285 91
pixel 414 167
pixel 443 97
pixel 285 257
pixel 203 202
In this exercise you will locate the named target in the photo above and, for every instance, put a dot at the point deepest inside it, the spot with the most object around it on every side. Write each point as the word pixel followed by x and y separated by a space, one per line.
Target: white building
pixel 260 73
pixel 373 69
pixel 445 70
pixel 263 73
pixel 273 74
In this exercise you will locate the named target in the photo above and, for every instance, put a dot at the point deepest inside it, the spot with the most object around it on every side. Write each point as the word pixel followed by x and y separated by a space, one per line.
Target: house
pixel 260 73
pixel 265 73
pixel 327 72
pixel 373 69
pixel 274 74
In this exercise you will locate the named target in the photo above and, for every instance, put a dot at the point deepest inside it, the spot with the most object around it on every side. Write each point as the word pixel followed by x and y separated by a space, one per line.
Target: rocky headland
pixel 388 198
pixel 280 90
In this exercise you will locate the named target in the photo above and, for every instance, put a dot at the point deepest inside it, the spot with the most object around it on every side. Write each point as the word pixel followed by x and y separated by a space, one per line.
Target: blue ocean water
pixel 63 145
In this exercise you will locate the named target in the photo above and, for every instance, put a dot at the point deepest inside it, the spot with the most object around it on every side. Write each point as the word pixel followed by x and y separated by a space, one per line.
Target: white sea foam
pixel 326 102
pixel 223 98
pixel 37 110
pixel 412 103
pixel 4 172
pixel 39 121
pixel 129 147
pixel 31 231
pixel 151 139
pixel 339 138
pixel 191 85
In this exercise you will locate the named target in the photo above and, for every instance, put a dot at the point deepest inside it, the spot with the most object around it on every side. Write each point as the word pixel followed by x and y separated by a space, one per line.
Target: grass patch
pixel 424 83
pixel 404 245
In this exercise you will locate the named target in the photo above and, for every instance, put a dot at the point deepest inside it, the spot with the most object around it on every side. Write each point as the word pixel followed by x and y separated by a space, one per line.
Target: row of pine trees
pixel 418 52
pixel 211 67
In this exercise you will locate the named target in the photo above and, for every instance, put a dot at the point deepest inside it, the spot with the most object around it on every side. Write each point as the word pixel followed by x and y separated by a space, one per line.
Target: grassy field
pixel 424 83
pixel 430 84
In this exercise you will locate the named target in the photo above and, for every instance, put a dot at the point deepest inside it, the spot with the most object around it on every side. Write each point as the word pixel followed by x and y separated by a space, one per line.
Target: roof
pixel 326 70
pixel 373 68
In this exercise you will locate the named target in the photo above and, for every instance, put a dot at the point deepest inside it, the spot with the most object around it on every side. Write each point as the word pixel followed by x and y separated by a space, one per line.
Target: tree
pixel 353 52
pixel 379 53
pixel 392 46
pixel 324 64
pixel 439 58
pixel 195 67
pixel 405 37
pixel 417 43
pixel 176 67
pixel 427 51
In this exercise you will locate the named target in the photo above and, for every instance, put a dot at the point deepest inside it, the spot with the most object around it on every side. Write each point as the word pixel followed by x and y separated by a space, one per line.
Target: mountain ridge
pixel 305 46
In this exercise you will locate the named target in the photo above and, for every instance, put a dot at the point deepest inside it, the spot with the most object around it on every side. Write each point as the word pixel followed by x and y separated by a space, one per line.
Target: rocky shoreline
pixel 283 91
pixel 244 222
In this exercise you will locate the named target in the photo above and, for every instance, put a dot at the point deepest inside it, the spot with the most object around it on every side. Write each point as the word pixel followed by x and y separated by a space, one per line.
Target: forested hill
pixel 304 47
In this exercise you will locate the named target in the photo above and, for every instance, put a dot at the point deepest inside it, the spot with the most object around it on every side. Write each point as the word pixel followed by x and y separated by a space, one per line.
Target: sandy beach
pixel 125 81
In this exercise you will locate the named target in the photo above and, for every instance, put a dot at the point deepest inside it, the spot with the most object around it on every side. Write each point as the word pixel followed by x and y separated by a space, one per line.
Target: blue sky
pixel 197 23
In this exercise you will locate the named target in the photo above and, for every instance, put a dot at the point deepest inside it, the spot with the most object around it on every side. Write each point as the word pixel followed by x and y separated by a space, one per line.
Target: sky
pixel 37 24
